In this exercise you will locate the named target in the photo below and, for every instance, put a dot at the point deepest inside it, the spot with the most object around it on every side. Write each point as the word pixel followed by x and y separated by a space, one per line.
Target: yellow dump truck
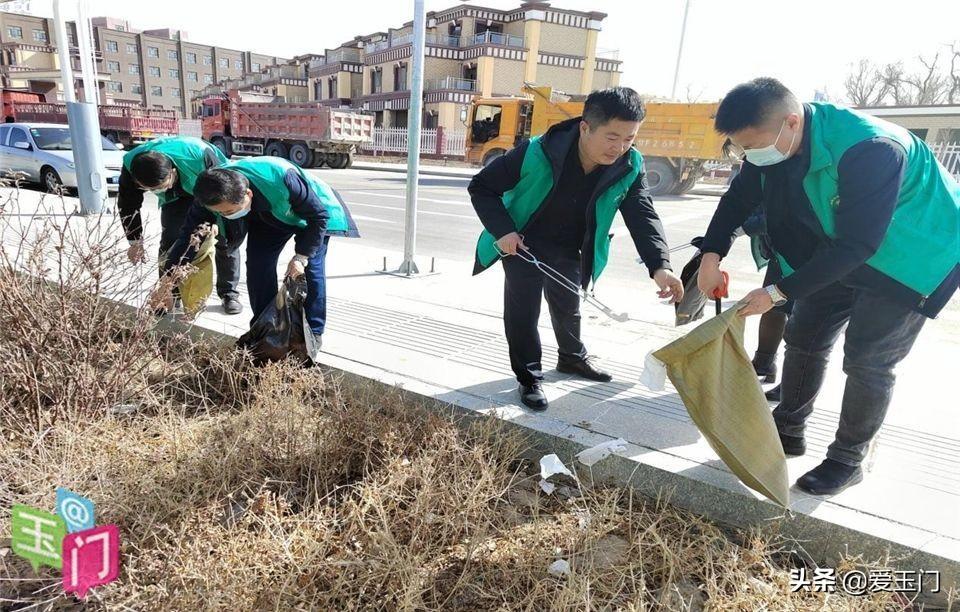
pixel 675 139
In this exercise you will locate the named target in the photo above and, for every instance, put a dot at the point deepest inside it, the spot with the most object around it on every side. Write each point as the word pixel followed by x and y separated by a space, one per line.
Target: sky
pixel 808 45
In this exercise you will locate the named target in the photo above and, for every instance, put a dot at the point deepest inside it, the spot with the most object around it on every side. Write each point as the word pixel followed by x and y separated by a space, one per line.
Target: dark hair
pixel 750 104
pixel 151 168
pixel 218 185
pixel 621 103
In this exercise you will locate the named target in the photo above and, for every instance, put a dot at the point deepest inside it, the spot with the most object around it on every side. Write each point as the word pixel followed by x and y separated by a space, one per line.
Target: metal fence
pixel 437 142
pixel 949 155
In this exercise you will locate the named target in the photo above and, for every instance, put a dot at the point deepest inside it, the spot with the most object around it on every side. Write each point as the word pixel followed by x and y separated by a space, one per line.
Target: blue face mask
pixel 769 155
pixel 237 215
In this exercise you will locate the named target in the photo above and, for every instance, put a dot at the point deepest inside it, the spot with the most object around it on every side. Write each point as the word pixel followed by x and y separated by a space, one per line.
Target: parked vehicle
pixel 308 134
pixel 675 139
pixel 124 124
pixel 43 153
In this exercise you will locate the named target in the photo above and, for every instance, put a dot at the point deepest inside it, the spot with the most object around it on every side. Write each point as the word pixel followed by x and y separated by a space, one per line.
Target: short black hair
pixel 218 185
pixel 620 103
pixel 151 168
pixel 750 104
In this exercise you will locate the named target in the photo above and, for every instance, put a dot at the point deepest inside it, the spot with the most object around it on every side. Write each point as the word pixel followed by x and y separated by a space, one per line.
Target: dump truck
pixel 308 133
pixel 128 125
pixel 676 139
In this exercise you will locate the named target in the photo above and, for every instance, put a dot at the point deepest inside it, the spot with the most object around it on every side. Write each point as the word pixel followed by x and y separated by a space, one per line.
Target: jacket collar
pixel 556 143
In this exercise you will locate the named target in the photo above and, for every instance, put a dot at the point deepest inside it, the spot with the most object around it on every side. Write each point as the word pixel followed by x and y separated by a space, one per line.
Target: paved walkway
pixel 441 335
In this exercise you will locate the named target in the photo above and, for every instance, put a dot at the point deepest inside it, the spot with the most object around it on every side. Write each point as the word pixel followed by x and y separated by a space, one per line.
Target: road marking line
pixel 419 212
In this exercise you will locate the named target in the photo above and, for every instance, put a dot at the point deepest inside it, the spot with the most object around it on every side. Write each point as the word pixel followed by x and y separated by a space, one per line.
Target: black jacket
pixel 488 186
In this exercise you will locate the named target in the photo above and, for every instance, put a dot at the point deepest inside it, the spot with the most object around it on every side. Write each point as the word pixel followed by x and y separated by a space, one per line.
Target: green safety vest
pixel 530 193
pixel 922 244
pixel 188 155
pixel 267 175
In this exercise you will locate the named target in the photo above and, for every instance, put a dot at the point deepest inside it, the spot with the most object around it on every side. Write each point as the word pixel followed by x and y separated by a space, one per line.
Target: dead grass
pixel 280 488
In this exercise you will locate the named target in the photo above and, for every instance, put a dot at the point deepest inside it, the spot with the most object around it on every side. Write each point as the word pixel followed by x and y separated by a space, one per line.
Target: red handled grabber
pixel 721 292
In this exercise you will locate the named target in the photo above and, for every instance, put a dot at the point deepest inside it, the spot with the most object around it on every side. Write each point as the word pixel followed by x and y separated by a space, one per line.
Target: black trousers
pixel 524 288
pixel 227 257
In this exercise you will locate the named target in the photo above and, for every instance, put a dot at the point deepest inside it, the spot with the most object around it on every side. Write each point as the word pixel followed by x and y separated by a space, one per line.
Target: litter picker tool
pixel 721 292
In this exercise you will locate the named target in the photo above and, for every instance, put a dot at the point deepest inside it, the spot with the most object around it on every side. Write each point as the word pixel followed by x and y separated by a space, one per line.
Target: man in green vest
pixel 277 201
pixel 556 196
pixel 169 167
pixel 865 224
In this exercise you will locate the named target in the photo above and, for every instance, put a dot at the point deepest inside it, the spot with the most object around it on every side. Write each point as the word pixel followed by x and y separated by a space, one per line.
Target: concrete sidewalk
pixel 441 336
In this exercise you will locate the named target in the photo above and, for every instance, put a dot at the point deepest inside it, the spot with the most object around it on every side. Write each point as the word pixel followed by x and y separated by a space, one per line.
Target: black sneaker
pixel 793 446
pixel 584 369
pixel 231 305
pixel 533 397
pixel 773 395
pixel 830 478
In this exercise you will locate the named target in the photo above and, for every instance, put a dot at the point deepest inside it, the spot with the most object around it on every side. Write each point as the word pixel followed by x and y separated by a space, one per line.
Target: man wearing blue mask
pixel 276 201
pixel 865 224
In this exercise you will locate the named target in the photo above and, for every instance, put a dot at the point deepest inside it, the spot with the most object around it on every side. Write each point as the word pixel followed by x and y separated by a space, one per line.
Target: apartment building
pixel 470 51
pixel 157 68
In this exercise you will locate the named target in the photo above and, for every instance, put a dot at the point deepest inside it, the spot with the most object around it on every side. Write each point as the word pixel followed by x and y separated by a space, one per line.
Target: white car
pixel 43 153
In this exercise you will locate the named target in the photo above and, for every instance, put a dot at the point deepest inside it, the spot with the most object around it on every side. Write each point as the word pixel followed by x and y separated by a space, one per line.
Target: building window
pixel 112 46
pixel 113 66
pixel 153 51
pixel 224 62
pixel 131 48
pixel 136 88
pixel 114 87
pixel 40 36
pixel 14 32
pixel 332 88
pixel 155 71
pixel 174 92
pixel 238 65
pixel 400 77
pixel 207 61
pixel 172 54
pixel 208 79
pixel 174 73
pixel 192 76
pixel 255 66
pixel 946 135
pixel 156 90
pixel 121 29
pixel 191 58
pixel 133 69
pixel 376 80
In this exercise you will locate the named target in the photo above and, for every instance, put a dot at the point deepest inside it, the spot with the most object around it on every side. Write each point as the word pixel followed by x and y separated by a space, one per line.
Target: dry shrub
pixel 286 489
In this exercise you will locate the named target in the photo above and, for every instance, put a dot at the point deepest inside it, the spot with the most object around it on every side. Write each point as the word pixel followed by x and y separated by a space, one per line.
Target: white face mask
pixel 769 155
pixel 237 215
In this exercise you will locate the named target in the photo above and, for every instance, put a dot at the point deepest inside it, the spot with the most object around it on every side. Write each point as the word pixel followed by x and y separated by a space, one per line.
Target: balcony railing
pixel 608 54
pixel 450 83
pixel 431 39
pixel 496 38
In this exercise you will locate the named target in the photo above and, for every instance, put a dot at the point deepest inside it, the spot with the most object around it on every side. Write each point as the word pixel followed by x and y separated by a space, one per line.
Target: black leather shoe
pixel 584 369
pixel 533 397
pixel 830 478
pixel 773 395
pixel 232 305
pixel 793 446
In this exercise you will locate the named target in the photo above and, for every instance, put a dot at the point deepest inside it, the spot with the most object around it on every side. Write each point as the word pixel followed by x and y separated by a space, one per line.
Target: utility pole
pixel 414 119
pixel 683 33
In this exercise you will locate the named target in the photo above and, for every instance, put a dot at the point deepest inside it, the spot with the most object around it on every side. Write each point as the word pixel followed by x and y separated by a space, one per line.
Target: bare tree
pixel 865 85
pixel 929 86
pixel 953 95
pixel 693 96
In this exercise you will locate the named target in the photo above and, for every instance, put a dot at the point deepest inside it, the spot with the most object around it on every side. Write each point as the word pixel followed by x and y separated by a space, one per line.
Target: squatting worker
pixel 865 224
pixel 169 167
pixel 277 201
pixel 557 195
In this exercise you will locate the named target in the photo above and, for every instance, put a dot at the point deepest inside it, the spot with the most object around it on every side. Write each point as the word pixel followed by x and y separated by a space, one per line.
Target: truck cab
pixel 215 123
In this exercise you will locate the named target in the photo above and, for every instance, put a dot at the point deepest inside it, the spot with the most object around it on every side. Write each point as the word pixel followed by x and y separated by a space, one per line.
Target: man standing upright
pixel 865 224
pixel 169 167
pixel 556 196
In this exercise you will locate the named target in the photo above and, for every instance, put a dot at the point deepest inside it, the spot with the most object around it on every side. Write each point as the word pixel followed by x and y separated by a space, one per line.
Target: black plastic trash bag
pixel 278 333
pixel 690 308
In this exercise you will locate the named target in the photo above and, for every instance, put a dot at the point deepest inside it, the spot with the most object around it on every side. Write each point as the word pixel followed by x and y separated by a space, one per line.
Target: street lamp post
pixel 683 33
pixel 414 118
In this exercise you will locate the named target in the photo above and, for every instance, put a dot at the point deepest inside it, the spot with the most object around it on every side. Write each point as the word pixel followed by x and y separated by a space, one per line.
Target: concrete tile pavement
pixel 441 336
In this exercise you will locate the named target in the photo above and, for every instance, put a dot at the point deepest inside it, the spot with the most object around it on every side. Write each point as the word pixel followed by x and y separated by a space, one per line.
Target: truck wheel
pixel 492 155
pixel 338 161
pixel 276 149
pixel 301 155
pixel 225 144
pixel 661 177
pixel 50 180
pixel 686 185
pixel 349 160
pixel 319 160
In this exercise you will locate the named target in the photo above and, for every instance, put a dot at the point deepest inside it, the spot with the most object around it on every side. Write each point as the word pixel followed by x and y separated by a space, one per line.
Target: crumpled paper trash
pixel 600 451
pixel 547 487
pixel 654 375
pixel 559 568
pixel 550 465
